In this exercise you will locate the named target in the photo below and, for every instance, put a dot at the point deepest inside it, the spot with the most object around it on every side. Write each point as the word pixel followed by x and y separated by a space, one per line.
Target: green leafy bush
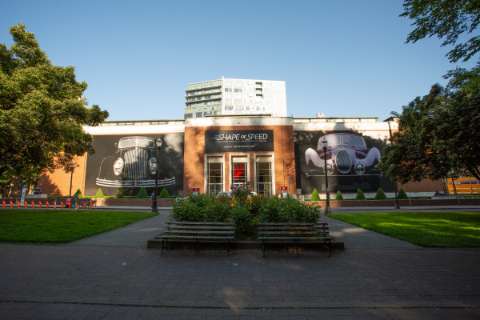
pixel 246 217
pixel 245 222
pixel 240 195
pixel 380 195
pixel 142 193
pixel 201 208
pixel 254 203
pixel 164 193
pixel 99 193
pixel 402 194
pixel 215 211
pixel 187 210
pixel 287 210
pixel 121 193
pixel 360 195
pixel 315 196
pixel 339 195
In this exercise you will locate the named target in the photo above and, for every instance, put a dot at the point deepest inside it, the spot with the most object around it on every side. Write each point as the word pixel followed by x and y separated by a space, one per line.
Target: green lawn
pixel 429 229
pixel 61 225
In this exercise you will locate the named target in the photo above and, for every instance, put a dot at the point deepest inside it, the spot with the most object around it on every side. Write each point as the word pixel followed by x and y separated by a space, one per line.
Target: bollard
pixel 46 204
pixel 4 203
pixel 11 204
pixel 25 204
pixel 32 204
pixel 39 204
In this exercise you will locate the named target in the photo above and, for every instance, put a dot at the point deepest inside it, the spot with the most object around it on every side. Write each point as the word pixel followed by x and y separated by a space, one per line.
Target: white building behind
pixel 227 96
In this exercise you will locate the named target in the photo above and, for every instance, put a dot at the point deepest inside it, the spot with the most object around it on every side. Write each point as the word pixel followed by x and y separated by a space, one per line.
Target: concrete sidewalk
pixel 113 276
pixel 134 235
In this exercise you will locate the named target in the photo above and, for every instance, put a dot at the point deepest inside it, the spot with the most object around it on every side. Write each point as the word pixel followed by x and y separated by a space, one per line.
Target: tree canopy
pixel 42 111
pixel 449 20
pixel 438 134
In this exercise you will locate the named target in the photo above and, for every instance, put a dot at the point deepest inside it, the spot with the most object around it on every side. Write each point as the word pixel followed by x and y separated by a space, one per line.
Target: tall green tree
pixel 42 111
pixel 438 134
pixel 450 20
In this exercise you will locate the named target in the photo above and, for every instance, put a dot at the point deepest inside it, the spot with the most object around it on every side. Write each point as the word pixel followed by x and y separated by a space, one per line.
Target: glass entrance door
pixel 239 172
pixel 263 175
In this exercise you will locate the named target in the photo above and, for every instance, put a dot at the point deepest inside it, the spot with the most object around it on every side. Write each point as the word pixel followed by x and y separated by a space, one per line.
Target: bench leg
pixel 229 247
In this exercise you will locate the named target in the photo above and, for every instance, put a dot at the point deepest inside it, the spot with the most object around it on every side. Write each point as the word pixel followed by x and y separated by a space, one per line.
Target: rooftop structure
pixel 228 96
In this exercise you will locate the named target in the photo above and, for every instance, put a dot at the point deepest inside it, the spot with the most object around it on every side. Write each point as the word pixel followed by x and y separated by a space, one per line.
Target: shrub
pixel 201 208
pixel 99 193
pixel 360 195
pixel 186 210
pixel 142 193
pixel 287 210
pixel 121 192
pixel 402 194
pixel 245 222
pixel 338 196
pixel 240 195
pixel 380 195
pixel 164 193
pixel 215 211
pixel 254 204
pixel 315 196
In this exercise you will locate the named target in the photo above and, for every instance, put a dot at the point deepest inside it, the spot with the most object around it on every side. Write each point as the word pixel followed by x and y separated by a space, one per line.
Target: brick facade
pixel 283 155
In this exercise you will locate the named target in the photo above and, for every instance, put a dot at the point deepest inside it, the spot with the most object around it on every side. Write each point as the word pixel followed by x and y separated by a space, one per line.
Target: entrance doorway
pixel 239 171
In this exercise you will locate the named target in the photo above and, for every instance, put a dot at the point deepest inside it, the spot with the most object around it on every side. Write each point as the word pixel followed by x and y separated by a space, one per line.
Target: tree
pixel 438 134
pixel 42 111
pixel 448 20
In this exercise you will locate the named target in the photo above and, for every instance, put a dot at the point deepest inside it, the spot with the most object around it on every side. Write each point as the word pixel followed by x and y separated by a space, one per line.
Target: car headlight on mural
pixel 118 167
pixel 347 153
pixel 135 165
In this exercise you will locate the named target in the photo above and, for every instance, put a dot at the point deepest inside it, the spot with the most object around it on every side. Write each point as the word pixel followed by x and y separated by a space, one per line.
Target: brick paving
pixel 376 277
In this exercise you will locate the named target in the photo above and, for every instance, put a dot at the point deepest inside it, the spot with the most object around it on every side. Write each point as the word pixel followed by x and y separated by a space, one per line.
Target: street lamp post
pixel 395 187
pixel 325 149
pixel 158 144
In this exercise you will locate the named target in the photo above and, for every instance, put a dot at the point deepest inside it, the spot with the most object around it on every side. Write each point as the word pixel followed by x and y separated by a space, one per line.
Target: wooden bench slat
pixel 195 237
pixel 200 228
pixel 193 223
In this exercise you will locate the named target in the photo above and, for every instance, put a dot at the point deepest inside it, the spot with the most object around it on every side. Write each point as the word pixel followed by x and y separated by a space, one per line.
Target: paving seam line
pixel 213 307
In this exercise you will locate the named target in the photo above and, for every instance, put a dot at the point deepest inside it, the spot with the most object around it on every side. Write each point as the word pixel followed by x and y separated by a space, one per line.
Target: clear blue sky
pixel 337 57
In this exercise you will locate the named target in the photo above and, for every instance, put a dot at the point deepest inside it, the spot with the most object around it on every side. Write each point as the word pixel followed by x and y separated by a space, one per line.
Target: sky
pixel 340 58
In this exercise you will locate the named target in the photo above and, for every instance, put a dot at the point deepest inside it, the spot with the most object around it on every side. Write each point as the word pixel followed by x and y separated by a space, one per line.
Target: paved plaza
pixel 113 276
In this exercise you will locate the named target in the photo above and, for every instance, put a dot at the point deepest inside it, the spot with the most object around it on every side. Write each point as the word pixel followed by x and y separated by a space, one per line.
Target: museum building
pixel 217 153
pixel 235 132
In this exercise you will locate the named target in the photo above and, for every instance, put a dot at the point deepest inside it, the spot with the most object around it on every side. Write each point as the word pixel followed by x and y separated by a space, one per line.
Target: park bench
pixel 198 234
pixel 286 235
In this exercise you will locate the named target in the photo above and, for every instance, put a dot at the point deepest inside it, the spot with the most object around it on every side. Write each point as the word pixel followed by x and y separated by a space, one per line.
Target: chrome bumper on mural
pixel 149 183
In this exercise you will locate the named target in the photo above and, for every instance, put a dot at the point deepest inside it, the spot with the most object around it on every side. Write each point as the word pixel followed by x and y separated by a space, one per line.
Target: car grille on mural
pixel 347 153
pixel 135 165
pixel 131 162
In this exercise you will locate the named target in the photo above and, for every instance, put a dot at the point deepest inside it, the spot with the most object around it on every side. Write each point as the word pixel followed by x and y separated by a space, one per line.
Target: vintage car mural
pixel 130 162
pixel 134 165
pixel 351 162
pixel 347 153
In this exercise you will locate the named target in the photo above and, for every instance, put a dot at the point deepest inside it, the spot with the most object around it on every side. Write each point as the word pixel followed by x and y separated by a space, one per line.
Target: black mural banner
pixel 351 162
pixel 238 140
pixel 122 164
